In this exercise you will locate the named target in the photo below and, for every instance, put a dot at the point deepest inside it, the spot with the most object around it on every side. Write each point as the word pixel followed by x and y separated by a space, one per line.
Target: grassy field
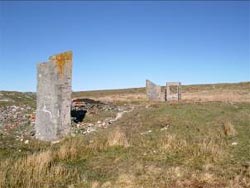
pixel 202 141
pixel 17 98
pixel 190 93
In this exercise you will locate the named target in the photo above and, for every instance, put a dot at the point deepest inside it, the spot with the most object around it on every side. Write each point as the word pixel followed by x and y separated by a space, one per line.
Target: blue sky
pixel 121 44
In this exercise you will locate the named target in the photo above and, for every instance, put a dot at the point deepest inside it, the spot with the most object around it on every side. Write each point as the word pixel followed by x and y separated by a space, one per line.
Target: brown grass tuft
pixel 36 170
pixel 170 142
pixel 95 184
pixel 67 151
pixel 117 137
pixel 126 181
pixel 229 129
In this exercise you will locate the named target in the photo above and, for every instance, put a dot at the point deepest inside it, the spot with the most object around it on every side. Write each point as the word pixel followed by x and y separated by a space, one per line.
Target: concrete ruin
pixel 172 91
pixel 154 92
pixel 53 119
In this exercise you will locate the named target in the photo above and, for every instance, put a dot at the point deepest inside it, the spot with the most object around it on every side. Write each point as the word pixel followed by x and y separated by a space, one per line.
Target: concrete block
pixel 54 78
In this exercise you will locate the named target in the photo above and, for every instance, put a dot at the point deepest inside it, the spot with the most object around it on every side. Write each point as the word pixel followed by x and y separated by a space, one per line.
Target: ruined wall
pixel 54 78
pixel 153 91
pixel 173 91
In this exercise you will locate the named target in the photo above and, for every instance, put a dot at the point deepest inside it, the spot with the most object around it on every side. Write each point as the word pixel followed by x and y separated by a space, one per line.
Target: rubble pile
pixel 81 107
pixel 91 105
pixel 15 116
pixel 87 116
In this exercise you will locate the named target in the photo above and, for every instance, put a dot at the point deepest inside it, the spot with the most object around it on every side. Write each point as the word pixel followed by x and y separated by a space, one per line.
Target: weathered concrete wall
pixel 153 91
pixel 54 78
pixel 173 96
pixel 171 92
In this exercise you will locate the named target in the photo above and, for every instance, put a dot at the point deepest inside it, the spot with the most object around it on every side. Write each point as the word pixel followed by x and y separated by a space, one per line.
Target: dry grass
pixel 219 95
pixel 171 142
pixel 229 129
pixel 126 181
pixel 239 92
pixel 36 170
pixel 68 150
pixel 241 180
pixel 117 137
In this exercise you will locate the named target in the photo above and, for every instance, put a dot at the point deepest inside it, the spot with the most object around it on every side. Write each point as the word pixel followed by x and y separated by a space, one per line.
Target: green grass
pixel 17 98
pixel 157 145
pixel 28 98
pixel 244 86
pixel 192 150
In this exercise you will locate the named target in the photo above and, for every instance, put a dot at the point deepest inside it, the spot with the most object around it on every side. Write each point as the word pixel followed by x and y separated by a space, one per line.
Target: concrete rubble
pixel 92 108
pixel 19 121
pixel 13 116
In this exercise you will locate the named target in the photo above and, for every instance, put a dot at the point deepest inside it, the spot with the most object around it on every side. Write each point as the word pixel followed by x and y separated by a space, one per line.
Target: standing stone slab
pixel 54 78
pixel 173 91
pixel 153 91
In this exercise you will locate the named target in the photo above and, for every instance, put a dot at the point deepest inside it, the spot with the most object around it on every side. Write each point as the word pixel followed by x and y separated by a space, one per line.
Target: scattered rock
pixel 16 118
pixel 32 133
pixel 164 128
pixel 93 107
pixel 147 132
pixel 234 144
pixel 55 142
pixel 20 120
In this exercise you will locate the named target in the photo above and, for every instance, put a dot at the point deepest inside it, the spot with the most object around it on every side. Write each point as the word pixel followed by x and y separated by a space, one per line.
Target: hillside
pixel 126 141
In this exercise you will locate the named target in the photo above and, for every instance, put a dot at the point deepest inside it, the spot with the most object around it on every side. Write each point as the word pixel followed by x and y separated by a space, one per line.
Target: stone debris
pixel 14 116
pixel 86 128
pixel 20 120
pixel 234 144
pixel 146 132
pixel 164 128
pixel 80 106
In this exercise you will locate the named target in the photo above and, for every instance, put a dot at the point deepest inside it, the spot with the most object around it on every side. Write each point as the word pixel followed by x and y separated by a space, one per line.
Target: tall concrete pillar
pixel 54 78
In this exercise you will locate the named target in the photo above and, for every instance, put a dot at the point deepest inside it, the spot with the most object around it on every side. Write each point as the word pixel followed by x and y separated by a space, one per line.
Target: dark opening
pixel 78 115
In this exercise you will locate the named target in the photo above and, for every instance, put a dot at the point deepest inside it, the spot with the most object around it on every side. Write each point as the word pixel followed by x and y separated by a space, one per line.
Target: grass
pixel 17 98
pixel 243 86
pixel 199 144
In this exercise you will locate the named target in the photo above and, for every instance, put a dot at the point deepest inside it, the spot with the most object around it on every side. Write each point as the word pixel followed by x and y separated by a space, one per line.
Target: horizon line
pixel 110 89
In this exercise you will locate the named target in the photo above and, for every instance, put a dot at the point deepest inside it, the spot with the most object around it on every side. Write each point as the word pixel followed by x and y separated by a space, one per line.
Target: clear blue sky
pixel 120 44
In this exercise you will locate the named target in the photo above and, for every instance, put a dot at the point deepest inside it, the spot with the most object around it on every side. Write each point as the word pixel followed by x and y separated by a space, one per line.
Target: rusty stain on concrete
pixel 61 60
